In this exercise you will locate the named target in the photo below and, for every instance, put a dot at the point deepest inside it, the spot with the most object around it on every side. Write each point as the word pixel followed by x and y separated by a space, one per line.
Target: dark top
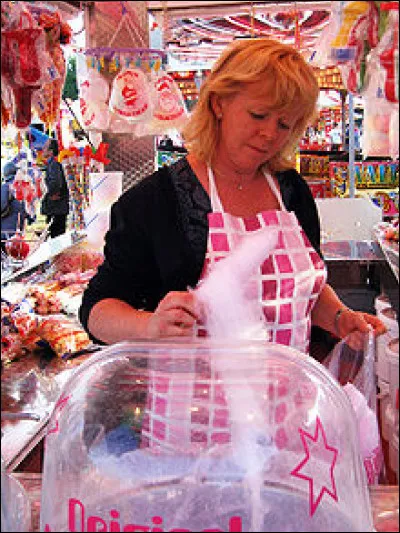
pixel 13 208
pixel 56 199
pixel 158 234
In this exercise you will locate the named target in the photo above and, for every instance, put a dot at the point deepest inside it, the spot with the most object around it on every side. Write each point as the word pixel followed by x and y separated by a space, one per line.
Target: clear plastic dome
pixel 203 436
pixel 15 504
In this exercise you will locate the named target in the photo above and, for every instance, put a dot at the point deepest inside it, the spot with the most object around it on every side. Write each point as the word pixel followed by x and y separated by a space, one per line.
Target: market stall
pixel 112 418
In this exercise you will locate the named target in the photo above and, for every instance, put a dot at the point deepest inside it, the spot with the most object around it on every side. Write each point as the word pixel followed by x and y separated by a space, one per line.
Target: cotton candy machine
pixel 203 436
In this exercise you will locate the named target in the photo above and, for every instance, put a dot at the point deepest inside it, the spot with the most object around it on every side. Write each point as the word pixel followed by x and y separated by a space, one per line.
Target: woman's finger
pixel 377 324
pixel 179 300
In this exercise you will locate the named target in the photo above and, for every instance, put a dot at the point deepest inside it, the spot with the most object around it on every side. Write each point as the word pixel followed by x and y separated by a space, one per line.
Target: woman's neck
pixel 234 176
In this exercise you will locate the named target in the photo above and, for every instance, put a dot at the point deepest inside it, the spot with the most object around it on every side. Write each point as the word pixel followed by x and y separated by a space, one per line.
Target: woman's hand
pixel 175 316
pixel 331 314
pixel 353 325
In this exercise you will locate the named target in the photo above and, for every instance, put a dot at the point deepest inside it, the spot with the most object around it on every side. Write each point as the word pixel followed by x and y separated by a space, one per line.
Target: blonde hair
pixel 284 78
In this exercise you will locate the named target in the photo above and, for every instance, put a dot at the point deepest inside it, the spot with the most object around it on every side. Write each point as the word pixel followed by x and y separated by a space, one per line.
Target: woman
pixel 251 113
pixel 55 204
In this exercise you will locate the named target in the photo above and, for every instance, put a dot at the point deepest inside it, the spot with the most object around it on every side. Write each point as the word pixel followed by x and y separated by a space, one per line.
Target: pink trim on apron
pixel 287 286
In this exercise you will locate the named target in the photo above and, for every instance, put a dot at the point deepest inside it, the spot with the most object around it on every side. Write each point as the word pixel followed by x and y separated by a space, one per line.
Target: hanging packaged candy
pixel 24 64
pixel 6 104
pixel 48 100
pixel 94 91
pixel 28 186
pixel 388 53
pixel 356 37
pixel 349 16
pixel 377 119
pixel 169 108
pixel 130 95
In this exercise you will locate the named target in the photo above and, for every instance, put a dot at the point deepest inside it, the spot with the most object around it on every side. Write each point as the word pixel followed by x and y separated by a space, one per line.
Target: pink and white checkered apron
pixel 287 286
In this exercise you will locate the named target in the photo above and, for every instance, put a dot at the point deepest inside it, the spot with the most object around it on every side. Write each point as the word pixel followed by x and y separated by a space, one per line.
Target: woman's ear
pixel 216 105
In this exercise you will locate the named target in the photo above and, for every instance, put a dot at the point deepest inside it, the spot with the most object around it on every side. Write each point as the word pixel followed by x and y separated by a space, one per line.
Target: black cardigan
pixel 158 234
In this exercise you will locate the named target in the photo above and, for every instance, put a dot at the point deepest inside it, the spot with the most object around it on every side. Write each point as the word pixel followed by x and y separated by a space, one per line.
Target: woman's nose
pixel 269 129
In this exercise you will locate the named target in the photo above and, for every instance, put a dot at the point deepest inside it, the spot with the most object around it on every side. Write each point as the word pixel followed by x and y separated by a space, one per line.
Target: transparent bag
pixel 15 504
pixel 353 365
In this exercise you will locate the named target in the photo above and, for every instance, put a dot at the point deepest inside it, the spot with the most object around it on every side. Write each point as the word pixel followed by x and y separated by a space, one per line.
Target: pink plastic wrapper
pixel 78 261
pixel 18 325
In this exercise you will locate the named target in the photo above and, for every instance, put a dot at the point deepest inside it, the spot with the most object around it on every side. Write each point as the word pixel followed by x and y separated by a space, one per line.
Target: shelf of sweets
pixel 42 341
pixel 48 250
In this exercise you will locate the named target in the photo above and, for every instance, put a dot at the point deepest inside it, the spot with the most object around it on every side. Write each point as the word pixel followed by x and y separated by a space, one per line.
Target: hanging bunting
pixel 297 38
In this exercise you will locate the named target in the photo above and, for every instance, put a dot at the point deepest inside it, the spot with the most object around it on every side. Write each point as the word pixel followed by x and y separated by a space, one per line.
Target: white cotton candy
pixel 232 316
pixel 229 314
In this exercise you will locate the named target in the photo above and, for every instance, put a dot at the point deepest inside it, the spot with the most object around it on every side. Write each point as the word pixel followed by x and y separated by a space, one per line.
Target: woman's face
pixel 251 133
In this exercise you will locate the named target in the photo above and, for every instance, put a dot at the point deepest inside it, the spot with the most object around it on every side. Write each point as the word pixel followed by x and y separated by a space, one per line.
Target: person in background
pixel 12 209
pixel 166 143
pixel 239 176
pixel 55 203
pixel 335 136
pixel 357 139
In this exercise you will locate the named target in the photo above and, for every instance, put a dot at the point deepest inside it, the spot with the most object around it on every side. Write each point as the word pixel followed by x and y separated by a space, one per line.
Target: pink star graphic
pixel 58 407
pixel 318 451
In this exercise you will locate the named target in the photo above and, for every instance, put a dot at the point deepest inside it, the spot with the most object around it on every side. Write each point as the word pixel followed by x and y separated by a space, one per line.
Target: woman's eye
pixel 283 125
pixel 257 116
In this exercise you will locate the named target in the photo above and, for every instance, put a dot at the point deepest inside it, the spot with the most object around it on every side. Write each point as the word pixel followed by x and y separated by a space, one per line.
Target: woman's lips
pixel 261 151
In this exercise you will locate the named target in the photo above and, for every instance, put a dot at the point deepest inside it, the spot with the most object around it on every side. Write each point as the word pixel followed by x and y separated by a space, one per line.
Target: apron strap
pixel 216 204
pixel 274 189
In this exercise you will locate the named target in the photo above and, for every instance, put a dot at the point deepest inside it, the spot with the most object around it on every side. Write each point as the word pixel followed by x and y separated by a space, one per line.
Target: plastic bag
pixel 388 55
pixel 94 92
pixel 169 107
pixel 355 370
pixel 379 139
pixel 131 95
pixel 18 323
pixel 15 504
pixel 63 334
pixel 26 64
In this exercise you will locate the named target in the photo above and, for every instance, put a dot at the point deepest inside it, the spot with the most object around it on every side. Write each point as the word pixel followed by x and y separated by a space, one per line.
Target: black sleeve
pixel 129 271
pixel 147 251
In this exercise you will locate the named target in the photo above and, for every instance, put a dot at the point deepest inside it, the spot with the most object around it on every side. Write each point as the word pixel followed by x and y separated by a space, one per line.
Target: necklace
pixel 238 185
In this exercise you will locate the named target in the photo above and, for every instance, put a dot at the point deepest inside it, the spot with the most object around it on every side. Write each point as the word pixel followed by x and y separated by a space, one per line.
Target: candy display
pixel 33 65
pixel 169 107
pixel 141 98
pixel 388 53
pixel 36 309
pixel 11 344
pixel 18 329
pixel 28 185
pixel 131 95
pixel 76 162
pixel 357 35
pixel 20 66
pixel 361 39
pixel 63 335
pixel 94 93
pixel 49 98
pixel 390 230
pixel 368 175
pixel 17 247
